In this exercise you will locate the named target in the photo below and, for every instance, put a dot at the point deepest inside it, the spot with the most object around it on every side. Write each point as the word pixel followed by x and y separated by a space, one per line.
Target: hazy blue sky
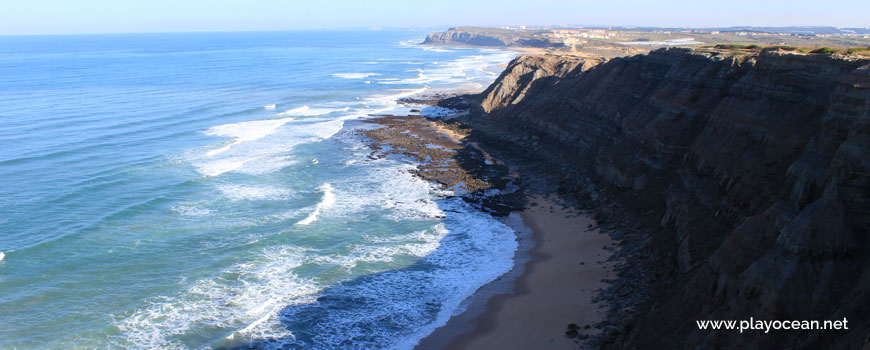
pixel 118 16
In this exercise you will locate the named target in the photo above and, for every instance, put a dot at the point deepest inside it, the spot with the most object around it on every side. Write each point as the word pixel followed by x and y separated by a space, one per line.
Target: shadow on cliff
pixel 749 171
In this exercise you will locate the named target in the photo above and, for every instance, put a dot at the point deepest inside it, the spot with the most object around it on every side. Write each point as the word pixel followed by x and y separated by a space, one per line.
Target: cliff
pixel 750 174
pixel 488 37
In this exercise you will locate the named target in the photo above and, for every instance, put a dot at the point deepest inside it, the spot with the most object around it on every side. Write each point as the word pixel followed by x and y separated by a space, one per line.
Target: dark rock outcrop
pixel 755 170
pixel 514 83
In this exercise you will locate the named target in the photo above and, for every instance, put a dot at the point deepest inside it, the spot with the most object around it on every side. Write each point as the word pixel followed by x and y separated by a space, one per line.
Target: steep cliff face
pixel 462 37
pixel 514 83
pixel 485 37
pixel 756 170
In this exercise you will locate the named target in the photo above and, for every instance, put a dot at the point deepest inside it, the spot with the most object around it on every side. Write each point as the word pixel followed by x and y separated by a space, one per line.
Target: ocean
pixel 207 190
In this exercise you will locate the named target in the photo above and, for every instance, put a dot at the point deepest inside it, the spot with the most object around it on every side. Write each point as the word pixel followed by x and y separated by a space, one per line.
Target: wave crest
pixel 326 201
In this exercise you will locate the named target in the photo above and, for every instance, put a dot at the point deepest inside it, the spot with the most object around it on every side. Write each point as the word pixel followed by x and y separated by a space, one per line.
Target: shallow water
pixel 206 191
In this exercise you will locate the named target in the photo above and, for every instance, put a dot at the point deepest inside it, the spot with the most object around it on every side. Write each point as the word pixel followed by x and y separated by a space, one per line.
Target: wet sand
pixel 552 287
pixel 559 266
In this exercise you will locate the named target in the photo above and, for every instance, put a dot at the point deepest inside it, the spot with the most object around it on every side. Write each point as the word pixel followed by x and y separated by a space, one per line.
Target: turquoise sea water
pixel 189 191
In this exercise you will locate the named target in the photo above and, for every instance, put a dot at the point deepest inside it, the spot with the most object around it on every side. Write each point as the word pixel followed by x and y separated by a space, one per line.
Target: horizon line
pixel 384 28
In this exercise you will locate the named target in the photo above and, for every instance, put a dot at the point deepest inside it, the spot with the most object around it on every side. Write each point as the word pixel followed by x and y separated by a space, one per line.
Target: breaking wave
pixel 326 201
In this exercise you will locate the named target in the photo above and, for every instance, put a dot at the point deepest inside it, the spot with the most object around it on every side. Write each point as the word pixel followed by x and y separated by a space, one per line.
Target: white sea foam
pixel 259 146
pixel 436 49
pixel 190 209
pixel 387 185
pixel 412 42
pixel 272 106
pixel 308 111
pixel 389 100
pixel 386 103
pixel 244 299
pixel 437 112
pixel 326 201
pixel 477 249
pixel 458 254
pixel 353 75
pixel 254 192
pixel 295 111
pixel 417 244
pixel 420 79
pixel 244 131
pixel 394 309
pixel 264 300
pixel 217 167
pixel 467 70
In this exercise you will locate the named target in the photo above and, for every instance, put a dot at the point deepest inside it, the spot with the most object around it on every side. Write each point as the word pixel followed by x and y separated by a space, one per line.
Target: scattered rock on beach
pixel 572 331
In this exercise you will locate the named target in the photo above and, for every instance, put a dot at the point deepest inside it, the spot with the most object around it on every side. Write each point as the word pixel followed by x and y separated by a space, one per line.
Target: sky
pixel 140 16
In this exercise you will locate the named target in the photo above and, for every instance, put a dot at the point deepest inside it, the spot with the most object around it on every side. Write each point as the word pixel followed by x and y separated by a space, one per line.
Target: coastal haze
pixel 106 16
pixel 444 175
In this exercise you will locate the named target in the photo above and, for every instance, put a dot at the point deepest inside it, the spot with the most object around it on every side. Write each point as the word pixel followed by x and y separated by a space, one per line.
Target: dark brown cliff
pixel 751 173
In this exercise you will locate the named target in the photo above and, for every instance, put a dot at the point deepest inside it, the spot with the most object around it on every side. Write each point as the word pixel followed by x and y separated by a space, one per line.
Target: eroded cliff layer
pixel 754 169
pixel 487 37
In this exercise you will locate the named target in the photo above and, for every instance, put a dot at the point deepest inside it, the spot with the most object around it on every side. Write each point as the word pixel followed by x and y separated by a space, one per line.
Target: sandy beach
pixel 560 264
pixel 555 288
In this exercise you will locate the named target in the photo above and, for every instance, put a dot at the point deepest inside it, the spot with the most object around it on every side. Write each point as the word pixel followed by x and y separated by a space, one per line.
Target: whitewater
pixel 208 191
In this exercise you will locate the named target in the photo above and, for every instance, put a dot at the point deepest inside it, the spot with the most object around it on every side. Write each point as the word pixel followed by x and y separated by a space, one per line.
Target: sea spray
pixel 173 222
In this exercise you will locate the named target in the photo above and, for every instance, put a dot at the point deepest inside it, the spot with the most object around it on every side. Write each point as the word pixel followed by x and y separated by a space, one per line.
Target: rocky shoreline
pixel 735 183
pixel 500 183
pixel 448 158
pixel 734 173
